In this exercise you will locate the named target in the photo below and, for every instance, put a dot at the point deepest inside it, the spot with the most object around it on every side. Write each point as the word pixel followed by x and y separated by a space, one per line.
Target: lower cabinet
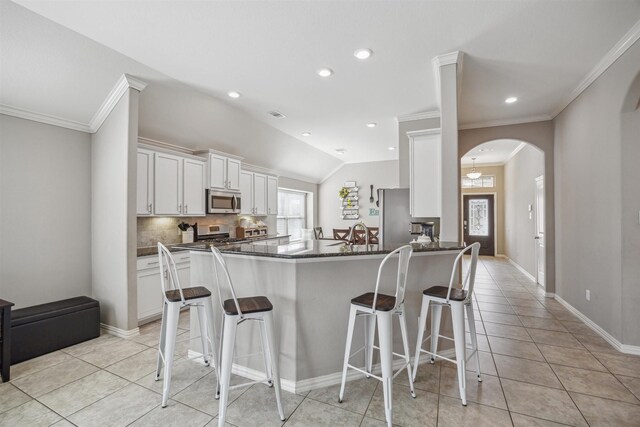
pixel 150 294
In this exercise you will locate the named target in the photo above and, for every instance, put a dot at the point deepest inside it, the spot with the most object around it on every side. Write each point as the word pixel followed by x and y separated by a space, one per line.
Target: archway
pixel 539 135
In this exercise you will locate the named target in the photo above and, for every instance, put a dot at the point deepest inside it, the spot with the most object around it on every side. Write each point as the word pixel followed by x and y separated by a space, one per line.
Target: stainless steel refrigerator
pixel 395 219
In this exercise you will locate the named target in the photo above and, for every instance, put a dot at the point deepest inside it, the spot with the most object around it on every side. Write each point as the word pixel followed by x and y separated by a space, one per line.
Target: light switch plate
pixel 588 295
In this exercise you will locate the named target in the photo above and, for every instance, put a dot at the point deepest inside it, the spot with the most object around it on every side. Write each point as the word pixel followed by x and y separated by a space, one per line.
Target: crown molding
pixel 423 132
pixel 451 58
pixel 48 119
pixel 505 122
pixel 435 114
pixel 632 36
pixel 448 58
pixel 480 165
pixel 124 83
pixel 515 151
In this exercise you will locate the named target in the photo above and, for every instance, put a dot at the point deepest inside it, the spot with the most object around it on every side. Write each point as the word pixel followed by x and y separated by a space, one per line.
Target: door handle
pixel 537 238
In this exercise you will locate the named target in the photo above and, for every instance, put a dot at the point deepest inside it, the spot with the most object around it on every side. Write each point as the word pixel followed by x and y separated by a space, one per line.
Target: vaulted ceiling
pixel 269 51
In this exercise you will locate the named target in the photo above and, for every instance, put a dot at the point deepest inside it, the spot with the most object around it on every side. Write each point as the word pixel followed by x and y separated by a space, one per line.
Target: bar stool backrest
pixel 168 274
pixel 470 277
pixel 220 264
pixel 405 253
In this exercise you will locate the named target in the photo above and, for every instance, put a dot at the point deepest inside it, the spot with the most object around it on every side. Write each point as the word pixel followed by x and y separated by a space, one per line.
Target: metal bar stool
pixel 380 307
pixel 459 299
pixel 236 311
pixel 176 298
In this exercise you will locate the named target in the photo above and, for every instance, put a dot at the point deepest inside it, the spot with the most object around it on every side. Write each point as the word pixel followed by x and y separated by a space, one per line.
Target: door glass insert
pixel 478 217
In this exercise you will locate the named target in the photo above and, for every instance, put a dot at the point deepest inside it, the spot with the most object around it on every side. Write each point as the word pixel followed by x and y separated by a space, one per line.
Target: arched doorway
pixel 503 203
pixel 537 137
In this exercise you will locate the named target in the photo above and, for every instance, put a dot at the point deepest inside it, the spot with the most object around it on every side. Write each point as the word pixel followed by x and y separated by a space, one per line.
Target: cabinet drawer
pixel 152 261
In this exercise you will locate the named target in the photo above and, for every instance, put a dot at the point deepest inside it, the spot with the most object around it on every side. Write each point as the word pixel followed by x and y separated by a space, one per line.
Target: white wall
pixel 590 178
pixel 113 216
pixel 380 174
pixel 519 192
pixel 45 179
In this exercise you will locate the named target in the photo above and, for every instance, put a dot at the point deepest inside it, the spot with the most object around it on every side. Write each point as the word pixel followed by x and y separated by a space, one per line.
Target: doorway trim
pixel 495 217
pixel 540 178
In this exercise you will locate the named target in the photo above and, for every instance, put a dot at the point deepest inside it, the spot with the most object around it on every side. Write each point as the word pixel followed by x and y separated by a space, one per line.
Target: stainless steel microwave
pixel 223 202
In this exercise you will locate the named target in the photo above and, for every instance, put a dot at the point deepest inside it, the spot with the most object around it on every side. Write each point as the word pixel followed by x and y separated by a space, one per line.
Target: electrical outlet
pixel 588 295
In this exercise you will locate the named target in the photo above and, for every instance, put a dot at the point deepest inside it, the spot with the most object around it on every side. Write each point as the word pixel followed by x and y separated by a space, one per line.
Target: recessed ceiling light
pixel 325 72
pixel 363 53
pixel 391 148
pixel 372 125
pixel 482 150
pixel 511 100
pixel 306 133
pixel 233 94
pixel 340 151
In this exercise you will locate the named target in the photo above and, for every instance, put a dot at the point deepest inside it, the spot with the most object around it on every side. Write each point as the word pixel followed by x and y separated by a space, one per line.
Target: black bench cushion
pixel 51 309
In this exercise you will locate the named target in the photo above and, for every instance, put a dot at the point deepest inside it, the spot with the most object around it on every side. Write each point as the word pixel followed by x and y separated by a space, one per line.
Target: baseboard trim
pixel 521 269
pixel 309 384
pixel 501 256
pixel 121 333
pixel 623 348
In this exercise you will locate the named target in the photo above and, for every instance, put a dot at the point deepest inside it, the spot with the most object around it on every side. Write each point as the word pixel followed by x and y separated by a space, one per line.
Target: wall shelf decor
pixel 349 201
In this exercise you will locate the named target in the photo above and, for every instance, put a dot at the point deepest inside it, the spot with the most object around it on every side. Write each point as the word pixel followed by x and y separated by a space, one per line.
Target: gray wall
pixel 541 135
pixel 596 178
pixel 113 214
pixel 45 234
pixel 520 191
pixel 381 174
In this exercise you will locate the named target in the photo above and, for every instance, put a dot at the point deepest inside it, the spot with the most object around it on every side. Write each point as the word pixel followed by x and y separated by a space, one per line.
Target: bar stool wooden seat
pixel 375 306
pixel 459 299
pixel 176 298
pixel 236 311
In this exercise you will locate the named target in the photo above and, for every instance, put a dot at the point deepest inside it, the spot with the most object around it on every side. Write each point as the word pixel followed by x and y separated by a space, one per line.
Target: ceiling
pixel 492 152
pixel 269 51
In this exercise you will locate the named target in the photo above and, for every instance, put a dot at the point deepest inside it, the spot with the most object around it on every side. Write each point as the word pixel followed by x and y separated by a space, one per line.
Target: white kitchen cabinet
pixel 224 172
pixel 179 186
pixel 144 204
pixel 272 195
pixel 425 175
pixel 259 194
pixel 149 291
pixel 168 184
pixel 246 191
pixel 194 172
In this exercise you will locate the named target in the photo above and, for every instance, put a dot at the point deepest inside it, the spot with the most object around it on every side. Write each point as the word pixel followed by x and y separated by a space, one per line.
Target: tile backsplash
pixel 152 230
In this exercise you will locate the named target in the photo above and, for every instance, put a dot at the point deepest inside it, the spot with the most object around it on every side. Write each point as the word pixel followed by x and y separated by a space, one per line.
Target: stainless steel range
pixel 217 235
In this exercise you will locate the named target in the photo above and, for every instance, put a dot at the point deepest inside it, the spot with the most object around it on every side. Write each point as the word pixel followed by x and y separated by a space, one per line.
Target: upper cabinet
pixel 144 205
pixel 170 184
pixel 259 193
pixel 425 175
pixel 224 172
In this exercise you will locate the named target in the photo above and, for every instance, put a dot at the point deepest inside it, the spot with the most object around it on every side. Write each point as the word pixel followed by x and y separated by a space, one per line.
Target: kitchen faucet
pixel 351 239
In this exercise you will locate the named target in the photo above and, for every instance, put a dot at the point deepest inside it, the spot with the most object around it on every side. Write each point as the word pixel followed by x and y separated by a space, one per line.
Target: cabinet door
pixel 233 174
pixel 425 175
pixel 168 184
pixel 272 195
pixel 259 194
pixel 217 172
pixel 149 294
pixel 193 187
pixel 145 183
pixel 246 191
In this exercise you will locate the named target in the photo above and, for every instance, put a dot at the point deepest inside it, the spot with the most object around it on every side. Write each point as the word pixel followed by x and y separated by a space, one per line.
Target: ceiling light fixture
pixel 474 174
pixel 363 53
pixel 340 151
pixel 325 72
pixel 511 100
pixel 372 125
pixel 233 94
pixel 391 148
pixel 306 133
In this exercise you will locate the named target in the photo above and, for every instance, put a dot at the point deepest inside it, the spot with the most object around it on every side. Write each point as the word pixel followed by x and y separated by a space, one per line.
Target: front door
pixel 478 222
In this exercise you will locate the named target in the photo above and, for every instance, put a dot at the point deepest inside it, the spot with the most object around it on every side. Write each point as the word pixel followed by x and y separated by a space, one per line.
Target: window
pixel 292 213
pixel 485 181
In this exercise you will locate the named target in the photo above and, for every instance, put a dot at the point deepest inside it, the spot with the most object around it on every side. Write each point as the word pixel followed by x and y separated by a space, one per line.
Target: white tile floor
pixel 541 367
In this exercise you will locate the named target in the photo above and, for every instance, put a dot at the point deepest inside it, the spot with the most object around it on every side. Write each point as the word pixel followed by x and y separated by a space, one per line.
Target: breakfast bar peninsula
pixel 310 285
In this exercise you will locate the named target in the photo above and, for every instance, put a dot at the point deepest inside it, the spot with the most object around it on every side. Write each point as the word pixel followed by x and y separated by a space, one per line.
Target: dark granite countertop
pixel 323 248
pixel 153 250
